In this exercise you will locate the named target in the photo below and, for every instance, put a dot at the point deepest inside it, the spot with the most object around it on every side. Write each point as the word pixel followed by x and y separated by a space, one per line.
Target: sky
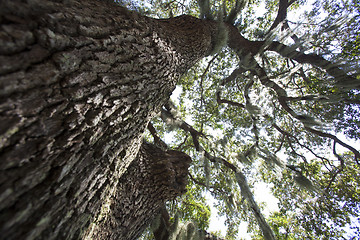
pixel 262 194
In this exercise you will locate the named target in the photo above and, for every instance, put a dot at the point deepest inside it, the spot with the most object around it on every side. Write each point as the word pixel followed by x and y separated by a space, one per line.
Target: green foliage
pixel 316 215
pixel 193 208
pixel 244 122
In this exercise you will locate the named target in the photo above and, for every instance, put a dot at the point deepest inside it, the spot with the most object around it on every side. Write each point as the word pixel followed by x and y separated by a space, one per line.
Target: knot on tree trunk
pixel 168 170
pixel 153 178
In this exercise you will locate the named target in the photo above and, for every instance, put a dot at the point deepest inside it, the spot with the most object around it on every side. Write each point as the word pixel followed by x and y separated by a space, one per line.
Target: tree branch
pixel 298 154
pixel 342 79
pixel 281 144
pixel 178 148
pixel 204 185
pixel 281 18
pixel 239 5
pixel 245 189
pixel 328 135
pixel 281 15
pixel 167 115
pixel 339 170
pixel 226 80
pixel 298 142
pixel 282 96
pixel 157 140
pixel 205 11
pixel 220 100
pixel 246 48
pixel 233 75
pixel 202 101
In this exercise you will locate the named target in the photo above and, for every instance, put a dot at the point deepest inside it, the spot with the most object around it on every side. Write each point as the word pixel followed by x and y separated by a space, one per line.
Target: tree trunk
pixel 152 178
pixel 79 81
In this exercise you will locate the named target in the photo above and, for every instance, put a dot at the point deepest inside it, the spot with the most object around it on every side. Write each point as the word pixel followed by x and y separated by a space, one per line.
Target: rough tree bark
pixel 79 81
pixel 152 178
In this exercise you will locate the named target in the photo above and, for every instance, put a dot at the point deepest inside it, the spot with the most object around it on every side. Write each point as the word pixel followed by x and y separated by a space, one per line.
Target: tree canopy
pixel 282 108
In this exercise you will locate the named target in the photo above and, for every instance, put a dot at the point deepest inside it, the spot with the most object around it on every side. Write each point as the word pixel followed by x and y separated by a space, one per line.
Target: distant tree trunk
pixel 79 81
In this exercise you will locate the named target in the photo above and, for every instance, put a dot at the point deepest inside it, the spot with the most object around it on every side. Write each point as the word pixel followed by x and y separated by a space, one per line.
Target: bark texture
pixel 79 81
pixel 152 178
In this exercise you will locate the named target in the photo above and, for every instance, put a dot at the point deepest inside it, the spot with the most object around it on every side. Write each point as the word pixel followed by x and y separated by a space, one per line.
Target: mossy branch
pixel 205 11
